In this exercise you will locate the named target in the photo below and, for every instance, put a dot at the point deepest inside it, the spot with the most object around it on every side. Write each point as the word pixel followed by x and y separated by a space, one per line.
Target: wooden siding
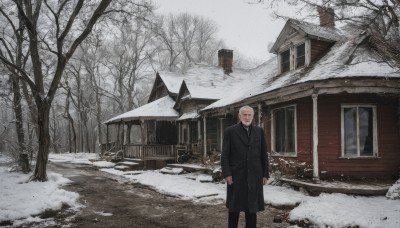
pixel 193 105
pixel 318 48
pixel 388 162
pixel 159 90
pixel 386 166
pixel 304 128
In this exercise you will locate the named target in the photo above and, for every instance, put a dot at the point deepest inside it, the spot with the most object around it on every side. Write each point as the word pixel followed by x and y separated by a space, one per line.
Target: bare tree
pixel 13 50
pixel 205 40
pixel 165 30
pixel 132 49
pixel 71 122
pixel 92 56
pixel 54 31
pixel 186 39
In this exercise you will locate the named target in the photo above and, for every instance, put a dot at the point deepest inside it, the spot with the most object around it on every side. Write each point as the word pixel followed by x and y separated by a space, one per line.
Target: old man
pixel 244 164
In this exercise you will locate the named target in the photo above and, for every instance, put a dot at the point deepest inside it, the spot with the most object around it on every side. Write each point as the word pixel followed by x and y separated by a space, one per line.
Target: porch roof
pixel 161 109
pixel 189 115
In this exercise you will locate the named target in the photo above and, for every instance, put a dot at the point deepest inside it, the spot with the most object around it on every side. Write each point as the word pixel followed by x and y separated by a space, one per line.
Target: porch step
pixel 137 160
pixel 366 189
pixel 190 167
pixel 126 165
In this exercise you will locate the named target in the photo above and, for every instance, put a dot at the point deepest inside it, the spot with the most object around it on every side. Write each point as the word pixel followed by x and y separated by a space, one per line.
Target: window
pixel 293 58
pixel 301 55
pixel 284 130
pixel 359 131
pixel 285 61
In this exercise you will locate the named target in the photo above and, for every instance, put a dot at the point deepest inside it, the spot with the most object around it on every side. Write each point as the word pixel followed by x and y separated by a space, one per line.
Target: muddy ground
pixel 110 201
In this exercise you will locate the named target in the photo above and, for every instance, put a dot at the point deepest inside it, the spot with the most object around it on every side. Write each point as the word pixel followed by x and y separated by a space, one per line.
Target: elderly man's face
pixel 246 116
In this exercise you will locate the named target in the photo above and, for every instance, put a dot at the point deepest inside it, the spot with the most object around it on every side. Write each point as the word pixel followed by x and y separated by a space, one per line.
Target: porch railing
pixel 145 152
pixel 111 146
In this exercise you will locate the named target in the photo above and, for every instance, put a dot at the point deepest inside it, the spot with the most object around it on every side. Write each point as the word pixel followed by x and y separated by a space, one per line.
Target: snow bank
pixel 394 191
pixel 76 158
pixel 339 210
pixel 20 200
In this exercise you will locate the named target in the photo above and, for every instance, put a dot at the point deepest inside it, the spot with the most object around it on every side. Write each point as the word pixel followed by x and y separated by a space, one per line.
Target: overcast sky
pixel 247 28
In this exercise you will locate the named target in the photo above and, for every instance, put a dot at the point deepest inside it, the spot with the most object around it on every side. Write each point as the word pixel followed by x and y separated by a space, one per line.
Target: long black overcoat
pixel 244 157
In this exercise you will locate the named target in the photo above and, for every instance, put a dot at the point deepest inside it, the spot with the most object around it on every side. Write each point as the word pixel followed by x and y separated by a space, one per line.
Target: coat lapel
pixel 241 133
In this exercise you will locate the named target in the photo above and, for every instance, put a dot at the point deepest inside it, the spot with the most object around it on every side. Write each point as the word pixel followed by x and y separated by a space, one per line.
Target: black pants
pixel 233 219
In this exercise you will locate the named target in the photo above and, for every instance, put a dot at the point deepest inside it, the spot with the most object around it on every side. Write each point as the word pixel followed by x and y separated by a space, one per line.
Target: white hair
pixel 245 107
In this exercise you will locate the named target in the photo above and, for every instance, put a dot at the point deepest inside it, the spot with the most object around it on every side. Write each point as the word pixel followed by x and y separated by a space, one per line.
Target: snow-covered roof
pixel 161 109
pixel 309 29
pixel 346 59
pixel 172 81
pixel 210 82
pixel 189 115
pixel 317 30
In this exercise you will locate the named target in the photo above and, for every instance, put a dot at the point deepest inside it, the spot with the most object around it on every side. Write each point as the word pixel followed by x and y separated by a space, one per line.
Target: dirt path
pixel 112 202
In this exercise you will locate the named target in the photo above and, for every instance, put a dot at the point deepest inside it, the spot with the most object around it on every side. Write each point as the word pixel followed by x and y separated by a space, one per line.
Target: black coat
pixel 244 157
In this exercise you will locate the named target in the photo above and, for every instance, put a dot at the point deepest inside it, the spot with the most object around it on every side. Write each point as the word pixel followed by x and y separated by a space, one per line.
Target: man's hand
pixel 229 180
pixel 265 180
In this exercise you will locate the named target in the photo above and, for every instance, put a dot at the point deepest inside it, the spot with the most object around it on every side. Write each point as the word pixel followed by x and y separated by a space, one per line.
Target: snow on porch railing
pixel 150 151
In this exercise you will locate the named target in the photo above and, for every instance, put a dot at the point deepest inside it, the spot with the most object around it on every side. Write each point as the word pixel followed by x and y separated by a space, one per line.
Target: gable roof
pixel 306 29
pixel 205 82
pixel 161 109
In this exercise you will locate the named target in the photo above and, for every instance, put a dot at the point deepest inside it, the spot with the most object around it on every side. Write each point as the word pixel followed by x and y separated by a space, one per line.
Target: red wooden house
pixel 332 106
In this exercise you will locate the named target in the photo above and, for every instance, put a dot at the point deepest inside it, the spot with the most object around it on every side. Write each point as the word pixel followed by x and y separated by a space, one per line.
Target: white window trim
pixel 280 60
pixel 375 131
pixel 293 55
pixel 273 150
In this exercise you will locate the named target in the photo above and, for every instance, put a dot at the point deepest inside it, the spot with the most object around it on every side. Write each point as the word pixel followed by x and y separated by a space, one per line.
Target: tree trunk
pixel 55 137
pixel 40 173
pixel 23 161
pixel 87 136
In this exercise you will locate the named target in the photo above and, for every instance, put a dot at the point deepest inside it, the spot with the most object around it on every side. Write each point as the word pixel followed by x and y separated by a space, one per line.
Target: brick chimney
pixel 326 17
pixel 225 59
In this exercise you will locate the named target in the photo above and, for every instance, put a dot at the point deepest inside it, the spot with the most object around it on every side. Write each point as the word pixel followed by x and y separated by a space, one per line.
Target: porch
pixel 146 152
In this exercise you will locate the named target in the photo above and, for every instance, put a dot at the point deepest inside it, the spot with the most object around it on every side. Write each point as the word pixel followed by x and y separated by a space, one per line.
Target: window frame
pixel 273 146
pixel 289 60
pixel 374 129
pixel 297 55
pixel 293 65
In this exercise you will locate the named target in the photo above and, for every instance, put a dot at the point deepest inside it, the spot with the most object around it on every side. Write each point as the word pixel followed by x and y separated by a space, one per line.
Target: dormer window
pixel 300 55
pixel 285 61
pixel 295 57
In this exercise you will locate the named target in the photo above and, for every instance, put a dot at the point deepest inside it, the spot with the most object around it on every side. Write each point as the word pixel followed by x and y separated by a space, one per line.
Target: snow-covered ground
pixel 22 201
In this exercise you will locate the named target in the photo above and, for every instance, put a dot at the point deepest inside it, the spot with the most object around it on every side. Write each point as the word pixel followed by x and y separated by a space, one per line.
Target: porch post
pixel 188 133
pixel 205 136
pixel 123 133
pixel 315 139
pixel 108 140
pixel 221 132
pixel 259 114
pixel 128 133
pixel 119 143
pixel 143 132
pixel 179 133
pixel 198 129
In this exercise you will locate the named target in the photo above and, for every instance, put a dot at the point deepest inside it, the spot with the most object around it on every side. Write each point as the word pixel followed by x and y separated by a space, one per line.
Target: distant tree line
pixel 67 66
